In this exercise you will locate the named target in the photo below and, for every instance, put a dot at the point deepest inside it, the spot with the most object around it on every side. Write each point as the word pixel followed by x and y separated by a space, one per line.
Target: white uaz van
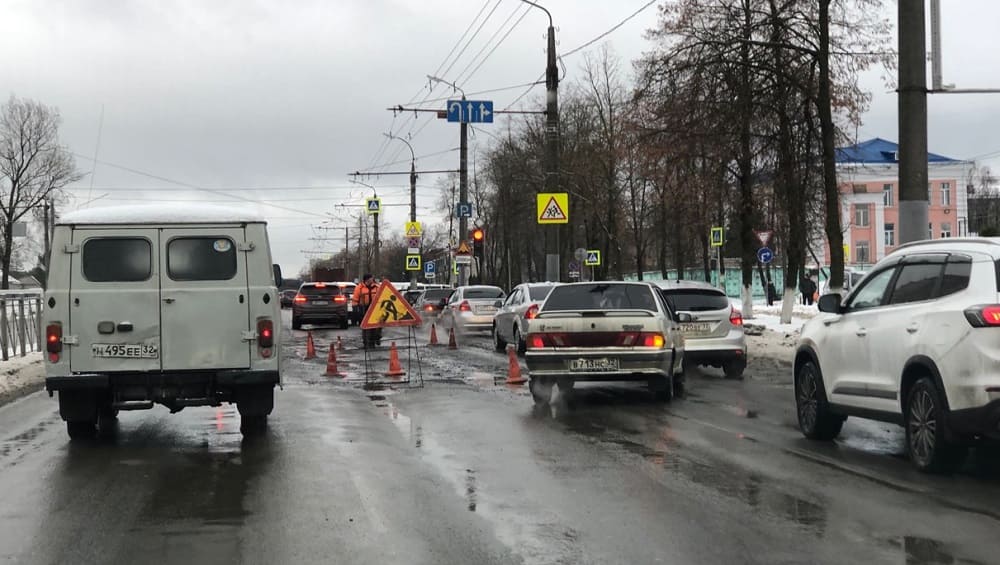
pixel 161 305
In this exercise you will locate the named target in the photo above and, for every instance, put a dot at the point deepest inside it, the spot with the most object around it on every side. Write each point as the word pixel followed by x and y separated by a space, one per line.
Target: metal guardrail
pixel 20 322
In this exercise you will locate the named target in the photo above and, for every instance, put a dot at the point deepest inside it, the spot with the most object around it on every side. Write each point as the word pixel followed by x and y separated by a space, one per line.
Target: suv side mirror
pixel 498 303
pixel 276 269
pixel 683 317
pixel 830 303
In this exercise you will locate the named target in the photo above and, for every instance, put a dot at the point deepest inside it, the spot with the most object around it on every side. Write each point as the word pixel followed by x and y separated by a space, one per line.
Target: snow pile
pixel 21 375
pixel 162 214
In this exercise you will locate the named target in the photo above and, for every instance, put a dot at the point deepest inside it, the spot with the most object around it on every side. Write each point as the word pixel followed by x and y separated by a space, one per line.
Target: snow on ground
pixel 777 341
pixel 21 375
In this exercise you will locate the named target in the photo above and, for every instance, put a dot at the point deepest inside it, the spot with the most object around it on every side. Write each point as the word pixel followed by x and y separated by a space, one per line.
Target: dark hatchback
pixel 320 303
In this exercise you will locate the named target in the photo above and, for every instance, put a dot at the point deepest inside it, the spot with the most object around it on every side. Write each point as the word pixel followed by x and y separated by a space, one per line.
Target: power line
pixel 458 78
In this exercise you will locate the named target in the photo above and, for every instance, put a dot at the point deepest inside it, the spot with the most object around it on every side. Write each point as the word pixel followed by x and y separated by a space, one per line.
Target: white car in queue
pixel 605 331
pixel 155 304
pixel 471 308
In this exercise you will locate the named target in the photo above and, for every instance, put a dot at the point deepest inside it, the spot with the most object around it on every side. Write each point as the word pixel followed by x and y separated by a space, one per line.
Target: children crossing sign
pixel 373 205
pixel 389 309
pixel 413 229
pixel 413 262
pixel 553 207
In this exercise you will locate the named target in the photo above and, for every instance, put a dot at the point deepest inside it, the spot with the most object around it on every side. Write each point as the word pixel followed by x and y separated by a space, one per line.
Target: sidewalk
pixel 21 376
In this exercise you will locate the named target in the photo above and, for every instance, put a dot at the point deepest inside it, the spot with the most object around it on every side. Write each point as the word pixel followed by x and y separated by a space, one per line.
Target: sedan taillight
pixel 464 306
pixel 532 312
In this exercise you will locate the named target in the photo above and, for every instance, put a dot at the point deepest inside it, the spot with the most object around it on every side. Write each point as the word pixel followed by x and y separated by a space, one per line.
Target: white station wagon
pixel 153 304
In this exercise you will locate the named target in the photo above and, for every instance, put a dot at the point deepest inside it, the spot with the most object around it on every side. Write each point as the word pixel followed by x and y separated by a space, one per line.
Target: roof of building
pixel 161 214
pixel 880 151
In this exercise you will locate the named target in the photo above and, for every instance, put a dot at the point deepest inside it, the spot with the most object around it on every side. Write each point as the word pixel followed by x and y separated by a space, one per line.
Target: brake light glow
pixel 540 340
pixel 464 306
pixel 429 308
pixel 532 312
pixel 53 339
pixel 299 298
pixel 535 341
pixel 340 298
pixel 265 334
pixel 320 285
pixel 735 317
pixel 983 316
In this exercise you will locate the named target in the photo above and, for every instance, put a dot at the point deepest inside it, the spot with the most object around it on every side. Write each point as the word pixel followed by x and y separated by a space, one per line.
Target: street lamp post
pixel 375 241
pixel 413 193
pixel 552 262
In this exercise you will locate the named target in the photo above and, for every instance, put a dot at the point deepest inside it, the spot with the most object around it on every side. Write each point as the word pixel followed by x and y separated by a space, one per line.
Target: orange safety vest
pixel 363 294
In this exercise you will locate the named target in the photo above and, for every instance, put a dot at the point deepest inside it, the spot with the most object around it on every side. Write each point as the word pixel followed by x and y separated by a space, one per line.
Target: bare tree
pixel 32 166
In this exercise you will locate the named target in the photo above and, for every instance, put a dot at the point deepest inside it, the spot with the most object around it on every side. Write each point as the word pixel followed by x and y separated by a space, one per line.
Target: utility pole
pixel 451 236
pixel 413 195
pixel 913 202
pixel 552 262
pixel 463 179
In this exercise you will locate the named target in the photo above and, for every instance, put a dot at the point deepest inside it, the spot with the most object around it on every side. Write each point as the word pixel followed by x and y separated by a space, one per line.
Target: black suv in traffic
pixel 318 302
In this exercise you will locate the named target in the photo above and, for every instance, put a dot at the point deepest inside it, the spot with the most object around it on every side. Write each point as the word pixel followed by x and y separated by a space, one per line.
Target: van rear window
pixel 117 259
pixel 201 259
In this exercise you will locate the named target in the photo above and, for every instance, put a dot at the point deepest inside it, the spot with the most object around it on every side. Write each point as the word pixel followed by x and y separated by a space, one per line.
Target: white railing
pixel 20 322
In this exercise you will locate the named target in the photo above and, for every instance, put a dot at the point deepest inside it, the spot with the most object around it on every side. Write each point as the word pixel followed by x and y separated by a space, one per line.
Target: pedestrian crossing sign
pixel 593 258
pixel 413 229
pixel 716 239
pixel 373 205
pixel 413 262
pixel 553 207
pixel 389 309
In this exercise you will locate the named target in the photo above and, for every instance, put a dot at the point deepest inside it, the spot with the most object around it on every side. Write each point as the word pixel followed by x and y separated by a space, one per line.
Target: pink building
pixel 869 185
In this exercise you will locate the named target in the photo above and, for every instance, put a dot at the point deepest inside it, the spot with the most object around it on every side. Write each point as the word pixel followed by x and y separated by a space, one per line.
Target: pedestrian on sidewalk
pixel 807 287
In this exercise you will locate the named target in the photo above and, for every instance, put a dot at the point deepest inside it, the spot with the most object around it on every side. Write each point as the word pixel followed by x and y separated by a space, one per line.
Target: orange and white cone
pixel 310 346
pixel 331 364
pixel 514 376
pixel 434 336
pixel 395 369
pixel 451 340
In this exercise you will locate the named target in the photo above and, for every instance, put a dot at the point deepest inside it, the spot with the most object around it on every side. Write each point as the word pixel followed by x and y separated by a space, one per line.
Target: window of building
pixel 890 234
pixel 930 192
pixel 860 188
pixel 887 195
pixel 946 194
pixel 861 252
pixel 930 231
pixel 861 215
pixel 945 229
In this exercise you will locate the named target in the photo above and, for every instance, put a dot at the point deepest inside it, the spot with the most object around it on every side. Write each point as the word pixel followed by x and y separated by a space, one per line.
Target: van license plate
pixel 593 365
pixel 125 350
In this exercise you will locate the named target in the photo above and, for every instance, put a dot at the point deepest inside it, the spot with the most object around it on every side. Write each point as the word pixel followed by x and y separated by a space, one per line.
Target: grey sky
pixel 292 94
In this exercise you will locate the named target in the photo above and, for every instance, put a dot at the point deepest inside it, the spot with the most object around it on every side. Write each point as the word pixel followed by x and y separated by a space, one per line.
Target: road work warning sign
pixel 389 309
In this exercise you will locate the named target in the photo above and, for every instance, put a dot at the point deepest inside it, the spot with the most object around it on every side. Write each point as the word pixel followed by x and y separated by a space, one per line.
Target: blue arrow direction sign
pixel 463 210
pixel 429 267
pixel 470 111
pixel 765 255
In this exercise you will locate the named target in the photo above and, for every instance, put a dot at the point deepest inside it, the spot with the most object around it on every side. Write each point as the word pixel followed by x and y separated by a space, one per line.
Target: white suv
pixel 917 343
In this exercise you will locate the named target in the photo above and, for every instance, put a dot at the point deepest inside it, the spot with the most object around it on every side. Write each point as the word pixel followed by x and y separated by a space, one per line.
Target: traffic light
pixel 478 237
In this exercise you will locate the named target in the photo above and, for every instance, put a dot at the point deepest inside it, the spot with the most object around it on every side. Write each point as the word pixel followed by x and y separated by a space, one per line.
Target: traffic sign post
pixel 414 229
pixel 413 262
pixel 463 210
pixel 764 237
pixel 389 309
pixel 574 269
pixel 430 267
pixel 716 240
pixel 765 255
pixel 412 245
pixel 552 207
pixel 470 111
pixel 373 205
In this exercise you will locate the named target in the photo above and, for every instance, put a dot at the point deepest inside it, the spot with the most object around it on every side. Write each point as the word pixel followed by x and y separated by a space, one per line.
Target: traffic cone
pixel 451 340
pixel 395 369
pixel 434 336
pixel 340 344
pixel 514 376
pixel 331 364
pixel 310 346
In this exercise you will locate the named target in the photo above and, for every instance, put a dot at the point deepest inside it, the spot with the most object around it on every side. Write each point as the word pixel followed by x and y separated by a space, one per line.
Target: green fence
pixel 733 279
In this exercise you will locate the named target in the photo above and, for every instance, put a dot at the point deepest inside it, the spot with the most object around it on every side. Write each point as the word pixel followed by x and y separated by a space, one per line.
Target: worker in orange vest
pixel 364 293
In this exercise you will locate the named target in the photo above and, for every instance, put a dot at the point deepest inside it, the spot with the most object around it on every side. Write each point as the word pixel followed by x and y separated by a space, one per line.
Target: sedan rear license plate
pixel 695 328
pixel 593 365
pixel 319 302
pixel 125 350
pixel 485 309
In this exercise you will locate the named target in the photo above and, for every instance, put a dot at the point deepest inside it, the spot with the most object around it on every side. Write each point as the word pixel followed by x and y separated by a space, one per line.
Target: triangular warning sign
pixel 463 248
pixel 552 211
pixel 389 309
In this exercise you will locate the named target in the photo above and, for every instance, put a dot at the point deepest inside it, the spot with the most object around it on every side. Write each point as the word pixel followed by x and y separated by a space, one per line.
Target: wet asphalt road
pixel 463 470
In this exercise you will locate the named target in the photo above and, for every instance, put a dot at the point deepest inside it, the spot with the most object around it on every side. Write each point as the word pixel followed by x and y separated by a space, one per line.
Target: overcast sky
pixel 268 95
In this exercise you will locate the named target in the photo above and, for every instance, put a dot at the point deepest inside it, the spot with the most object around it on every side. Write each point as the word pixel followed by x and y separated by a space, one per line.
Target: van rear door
pixel 114 311
pixel 204 304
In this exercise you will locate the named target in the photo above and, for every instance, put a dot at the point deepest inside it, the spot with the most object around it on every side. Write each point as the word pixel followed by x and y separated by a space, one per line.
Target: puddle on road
pixel 925 551
pixel 470 489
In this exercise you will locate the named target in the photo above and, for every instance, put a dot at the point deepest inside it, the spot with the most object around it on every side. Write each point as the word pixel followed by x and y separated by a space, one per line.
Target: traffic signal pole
pixel 463 191
pixel 913 201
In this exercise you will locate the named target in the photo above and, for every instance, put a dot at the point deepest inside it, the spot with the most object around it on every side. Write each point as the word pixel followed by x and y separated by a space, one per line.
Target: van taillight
pixel 265 334
pixel 983 316
pixel 735 317
pixel 53 338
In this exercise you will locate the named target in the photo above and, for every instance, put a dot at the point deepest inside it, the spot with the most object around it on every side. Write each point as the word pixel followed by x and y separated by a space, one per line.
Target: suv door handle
pixel 912 328
pixel 862 332
pixel 168 300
